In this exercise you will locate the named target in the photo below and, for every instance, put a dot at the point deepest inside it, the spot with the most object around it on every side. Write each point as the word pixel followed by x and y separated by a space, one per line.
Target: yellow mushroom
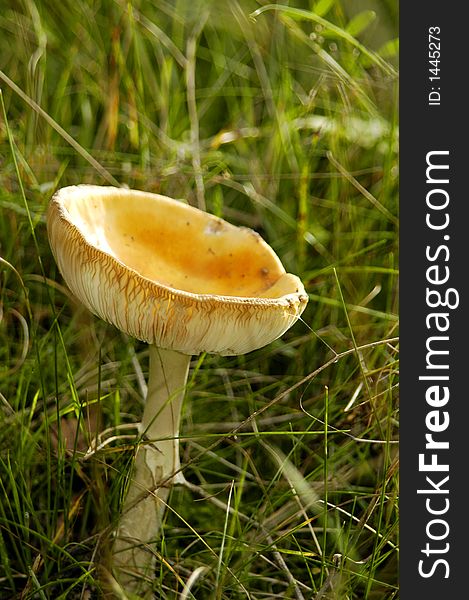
pixel 185 282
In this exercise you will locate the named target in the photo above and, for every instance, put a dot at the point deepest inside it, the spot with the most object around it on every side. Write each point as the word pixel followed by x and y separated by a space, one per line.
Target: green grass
pixel 285 122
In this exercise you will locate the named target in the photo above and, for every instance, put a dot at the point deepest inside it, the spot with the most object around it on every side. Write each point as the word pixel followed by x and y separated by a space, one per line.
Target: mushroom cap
pixel 169 274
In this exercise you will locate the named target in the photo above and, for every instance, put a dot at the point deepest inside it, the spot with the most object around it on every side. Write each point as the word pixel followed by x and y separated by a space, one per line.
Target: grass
pixel 284 121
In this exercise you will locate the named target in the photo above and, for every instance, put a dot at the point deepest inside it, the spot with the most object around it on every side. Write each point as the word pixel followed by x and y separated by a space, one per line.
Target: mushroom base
pixel 134 561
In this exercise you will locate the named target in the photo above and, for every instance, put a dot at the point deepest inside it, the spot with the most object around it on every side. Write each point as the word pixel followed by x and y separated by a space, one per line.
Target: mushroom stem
pixel 156 461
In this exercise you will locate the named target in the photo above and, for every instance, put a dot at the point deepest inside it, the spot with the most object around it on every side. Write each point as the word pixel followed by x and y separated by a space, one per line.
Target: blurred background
pixel 281 117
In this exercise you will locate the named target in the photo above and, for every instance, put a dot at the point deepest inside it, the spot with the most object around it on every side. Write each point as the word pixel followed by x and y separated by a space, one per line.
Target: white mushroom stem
pixel 155 470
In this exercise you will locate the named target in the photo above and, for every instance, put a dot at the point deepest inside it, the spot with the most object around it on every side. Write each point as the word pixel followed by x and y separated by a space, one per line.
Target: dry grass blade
pixel 60 130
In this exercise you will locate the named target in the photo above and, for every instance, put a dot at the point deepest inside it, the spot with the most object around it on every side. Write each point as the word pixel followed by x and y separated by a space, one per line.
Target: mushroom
pixel 185 282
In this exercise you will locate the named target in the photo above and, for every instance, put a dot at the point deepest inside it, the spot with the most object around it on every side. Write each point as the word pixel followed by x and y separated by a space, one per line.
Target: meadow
pixel 279 117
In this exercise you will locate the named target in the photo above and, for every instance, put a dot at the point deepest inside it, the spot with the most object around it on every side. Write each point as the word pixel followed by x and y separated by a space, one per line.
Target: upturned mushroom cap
pixel 170 274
